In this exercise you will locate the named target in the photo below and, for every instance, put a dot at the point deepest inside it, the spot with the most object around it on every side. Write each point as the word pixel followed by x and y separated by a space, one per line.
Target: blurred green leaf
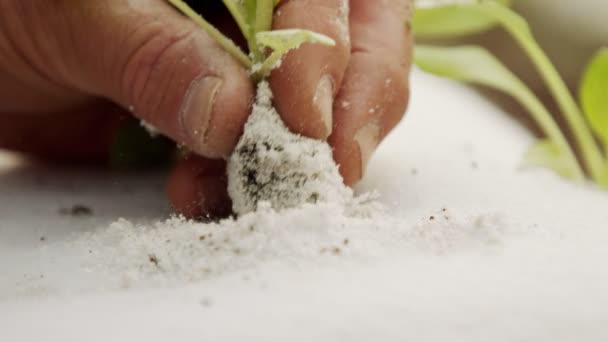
pixel 471 64
pixel 594 94
pixel 282 41
pixel 474 64
pixel 545 153
pixel 455 20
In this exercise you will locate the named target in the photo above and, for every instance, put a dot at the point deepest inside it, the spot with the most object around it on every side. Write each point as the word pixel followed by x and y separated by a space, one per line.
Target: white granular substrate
pixel 293 209
pixel 271 164
pixel 464 275
pixel 177 250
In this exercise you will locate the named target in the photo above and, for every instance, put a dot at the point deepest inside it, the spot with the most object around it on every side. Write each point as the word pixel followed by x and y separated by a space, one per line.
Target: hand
pixel 70 70
pixel 353 94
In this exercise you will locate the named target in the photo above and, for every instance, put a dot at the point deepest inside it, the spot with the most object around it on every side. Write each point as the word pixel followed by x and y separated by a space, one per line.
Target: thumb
pixel 148 58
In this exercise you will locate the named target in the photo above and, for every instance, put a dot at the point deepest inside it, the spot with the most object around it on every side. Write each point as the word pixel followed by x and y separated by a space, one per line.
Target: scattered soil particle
pixel 432 218
pixel 153 259
pixel 77 210
pixel 42 238
pixel 346 242
pixel 206 302
pixel 332 250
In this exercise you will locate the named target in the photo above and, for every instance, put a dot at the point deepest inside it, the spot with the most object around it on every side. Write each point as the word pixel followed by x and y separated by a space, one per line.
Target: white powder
pixel 413 279
pixel 177 251
pixel 153 131
pixel 271 164
pixel 291 203
pixel 293 210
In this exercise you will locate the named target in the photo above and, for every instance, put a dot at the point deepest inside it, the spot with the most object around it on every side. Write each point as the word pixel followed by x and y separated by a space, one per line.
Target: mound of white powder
pixel 292 207
pixel 515 255
pixel 271 164
pixel 177 250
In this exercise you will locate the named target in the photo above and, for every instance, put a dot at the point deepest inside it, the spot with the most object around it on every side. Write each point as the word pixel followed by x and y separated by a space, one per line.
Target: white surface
pixel 521 257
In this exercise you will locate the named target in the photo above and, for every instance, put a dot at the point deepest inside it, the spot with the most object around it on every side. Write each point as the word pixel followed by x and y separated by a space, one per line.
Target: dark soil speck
pixel 77 210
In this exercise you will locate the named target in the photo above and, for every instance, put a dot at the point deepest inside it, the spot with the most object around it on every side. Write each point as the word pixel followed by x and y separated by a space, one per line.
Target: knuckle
pixel 149 68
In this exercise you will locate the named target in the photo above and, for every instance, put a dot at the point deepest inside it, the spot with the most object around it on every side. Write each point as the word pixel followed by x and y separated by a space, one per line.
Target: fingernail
pixel 368 139
pixel 324 101
pixel 197 110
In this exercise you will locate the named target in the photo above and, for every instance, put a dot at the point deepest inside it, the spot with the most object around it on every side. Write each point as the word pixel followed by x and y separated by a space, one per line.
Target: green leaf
pixel 264 11
pixel 258 14
pixel 452 20
pixel 282 41
pixel 238 12
pixel 594 95
pixel 603 180
pixel 474 64
pixel 250 7
pixel 545 153
pixel 517 26
pixel 471 64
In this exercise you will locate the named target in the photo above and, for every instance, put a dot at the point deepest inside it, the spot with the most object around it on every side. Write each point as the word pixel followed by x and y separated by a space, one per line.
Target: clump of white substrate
pixel 273 165
pixel 293 211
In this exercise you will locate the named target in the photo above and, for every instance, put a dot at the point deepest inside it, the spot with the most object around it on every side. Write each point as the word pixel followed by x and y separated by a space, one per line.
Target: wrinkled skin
pixel 72 70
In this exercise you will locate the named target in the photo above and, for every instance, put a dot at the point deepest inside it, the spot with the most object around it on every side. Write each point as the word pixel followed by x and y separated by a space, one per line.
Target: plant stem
pixel 237 11
pixel 519 29
pixel 270 63
pixel 225 42
pixel 251 8
pixel 545 121
pixel 262 21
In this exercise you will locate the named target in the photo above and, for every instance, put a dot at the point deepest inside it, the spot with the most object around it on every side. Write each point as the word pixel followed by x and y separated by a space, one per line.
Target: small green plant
pixel 254 19
pixel 134 147
pixel 474 64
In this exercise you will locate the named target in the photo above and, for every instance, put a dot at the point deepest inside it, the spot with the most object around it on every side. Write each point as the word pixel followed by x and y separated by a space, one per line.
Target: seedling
pixel 134 147
pixel 474 64
pixel 254 19
pixel 271 166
